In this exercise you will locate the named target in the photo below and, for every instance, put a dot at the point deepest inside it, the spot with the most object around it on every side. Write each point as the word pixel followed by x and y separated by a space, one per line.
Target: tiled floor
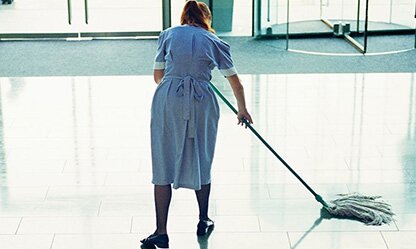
pixel 75 163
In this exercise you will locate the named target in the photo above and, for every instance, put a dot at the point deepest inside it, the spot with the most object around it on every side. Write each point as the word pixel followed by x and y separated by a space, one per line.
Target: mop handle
pixel 317 197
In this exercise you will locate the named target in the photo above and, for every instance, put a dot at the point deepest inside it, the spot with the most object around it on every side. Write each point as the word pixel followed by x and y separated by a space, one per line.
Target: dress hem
pixel 180 185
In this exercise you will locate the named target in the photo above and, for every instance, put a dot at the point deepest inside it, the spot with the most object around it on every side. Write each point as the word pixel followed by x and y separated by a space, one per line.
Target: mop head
pixel 367 209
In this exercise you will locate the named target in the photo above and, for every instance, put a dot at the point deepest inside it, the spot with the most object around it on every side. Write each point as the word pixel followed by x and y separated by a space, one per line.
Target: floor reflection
pixel 3 156
pixel 324 215
pixel 203 240
pixel 409 147
pixel 74 152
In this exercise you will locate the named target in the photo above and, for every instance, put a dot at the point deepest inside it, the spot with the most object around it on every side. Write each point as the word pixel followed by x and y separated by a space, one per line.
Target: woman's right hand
pixel 243 114
pixel 238 90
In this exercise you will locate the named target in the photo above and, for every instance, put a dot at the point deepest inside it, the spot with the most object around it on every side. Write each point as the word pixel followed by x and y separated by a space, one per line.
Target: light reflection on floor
pixel 75 166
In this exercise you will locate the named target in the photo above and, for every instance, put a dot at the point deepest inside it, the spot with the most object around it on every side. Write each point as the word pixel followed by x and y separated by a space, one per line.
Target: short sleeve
pixel 159 62
pixel 223 58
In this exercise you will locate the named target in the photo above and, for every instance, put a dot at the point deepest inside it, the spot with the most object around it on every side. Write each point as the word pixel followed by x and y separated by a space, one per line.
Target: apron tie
pixel 191 91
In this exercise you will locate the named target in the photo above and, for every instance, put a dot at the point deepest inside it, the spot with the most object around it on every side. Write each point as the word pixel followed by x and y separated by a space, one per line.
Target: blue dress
pixel 185 111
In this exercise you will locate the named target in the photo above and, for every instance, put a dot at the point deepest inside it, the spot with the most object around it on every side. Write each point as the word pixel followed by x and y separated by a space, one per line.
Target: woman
pixel 185 113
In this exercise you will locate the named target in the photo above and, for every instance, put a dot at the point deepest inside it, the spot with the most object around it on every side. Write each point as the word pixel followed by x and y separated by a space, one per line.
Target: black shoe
pixel 156 240
pixel 204 226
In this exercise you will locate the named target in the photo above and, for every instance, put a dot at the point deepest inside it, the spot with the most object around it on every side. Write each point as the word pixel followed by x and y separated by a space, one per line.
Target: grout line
pixel 334 140
pixel 347 164
pixel 65 164
pixel 398 230
pixel 258 223
pixel 99 208
pixel 131 224
pixel 268 192
pixel 379 150
pixel 388 129
pixel 348 188
pixel 53 240
pixel 384 239
pixel 47 193
pixel 288 238
pixel 20 222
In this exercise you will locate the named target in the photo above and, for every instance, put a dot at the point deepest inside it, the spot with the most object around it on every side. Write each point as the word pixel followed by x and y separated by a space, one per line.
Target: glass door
pixel 271 18
pixel 390 27
pixel 35 17
pixel 378 25
pixel 123 16
pixel 81 18
pixel 304 17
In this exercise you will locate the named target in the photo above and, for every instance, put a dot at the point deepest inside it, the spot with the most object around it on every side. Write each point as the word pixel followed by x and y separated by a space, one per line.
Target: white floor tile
pixel 400 240
pixel 50 208
pixel 23 194
pixel 96 241
pixel 188 224
pixel 240 191
pixel 107 193
pixel 337 240
pixel 230 240
pixel 304 222
pixel 264 207
pixel 26 241
pixel 9 225
pixel 406 222
pixel 75 225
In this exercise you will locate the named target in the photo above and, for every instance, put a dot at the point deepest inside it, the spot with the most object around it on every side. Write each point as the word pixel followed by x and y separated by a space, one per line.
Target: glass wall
pixel 303 15
pixel 32 16
pixel 77 16
pixel 390 24
pixel 86 17
pixel 263 18
pixel 271 17
pixel 390 15
pixel 124 15
pixel 382 14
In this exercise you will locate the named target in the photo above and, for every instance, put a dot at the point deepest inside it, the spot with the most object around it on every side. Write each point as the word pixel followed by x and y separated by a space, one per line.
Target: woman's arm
pixel 238 91
pixel 158 75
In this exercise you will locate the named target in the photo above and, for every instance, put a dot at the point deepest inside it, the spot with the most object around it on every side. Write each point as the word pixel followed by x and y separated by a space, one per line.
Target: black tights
pixel 202 197
pixel 163 195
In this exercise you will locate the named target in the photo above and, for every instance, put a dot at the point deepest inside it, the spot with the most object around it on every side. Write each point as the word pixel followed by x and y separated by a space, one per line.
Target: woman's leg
pixel 203 201
pixel 163 195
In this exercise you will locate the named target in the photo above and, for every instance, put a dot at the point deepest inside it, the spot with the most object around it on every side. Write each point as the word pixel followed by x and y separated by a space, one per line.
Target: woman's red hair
pixel 197 14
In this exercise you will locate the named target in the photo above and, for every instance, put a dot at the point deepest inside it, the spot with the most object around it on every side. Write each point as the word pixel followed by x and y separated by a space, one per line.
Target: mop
pixel 367 209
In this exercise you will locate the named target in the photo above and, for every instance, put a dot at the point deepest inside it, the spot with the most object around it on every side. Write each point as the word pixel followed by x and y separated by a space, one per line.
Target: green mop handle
pixel 317 197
